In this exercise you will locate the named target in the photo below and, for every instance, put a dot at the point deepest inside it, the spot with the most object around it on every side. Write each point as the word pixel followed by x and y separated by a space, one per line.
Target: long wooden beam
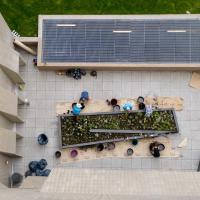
pixel 23 46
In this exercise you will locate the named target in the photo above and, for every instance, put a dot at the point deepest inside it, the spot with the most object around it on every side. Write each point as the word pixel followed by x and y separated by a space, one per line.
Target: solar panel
pixel 121 41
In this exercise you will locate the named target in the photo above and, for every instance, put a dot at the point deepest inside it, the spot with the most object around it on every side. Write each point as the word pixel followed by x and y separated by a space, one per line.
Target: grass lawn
pixel 22 15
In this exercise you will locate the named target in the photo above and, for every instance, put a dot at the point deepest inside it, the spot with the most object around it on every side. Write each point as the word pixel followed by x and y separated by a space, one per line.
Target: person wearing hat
pixel 155 151
pixel 76 108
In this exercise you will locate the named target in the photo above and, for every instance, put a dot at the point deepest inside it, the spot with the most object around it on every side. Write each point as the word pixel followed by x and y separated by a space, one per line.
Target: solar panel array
pixel 146 41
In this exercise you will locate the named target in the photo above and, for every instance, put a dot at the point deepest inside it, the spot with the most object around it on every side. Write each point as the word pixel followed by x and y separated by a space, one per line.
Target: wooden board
pixel 195 80
pixel 140 150
pixel 102 106
pixel 170 102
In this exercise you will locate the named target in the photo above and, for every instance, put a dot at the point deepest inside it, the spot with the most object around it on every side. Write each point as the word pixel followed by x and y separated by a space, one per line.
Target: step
pixel 99 182
pixel 2 186
pixel 33 182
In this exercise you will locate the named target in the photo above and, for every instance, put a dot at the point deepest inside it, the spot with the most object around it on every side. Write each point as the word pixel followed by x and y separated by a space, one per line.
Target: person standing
pixel 84 96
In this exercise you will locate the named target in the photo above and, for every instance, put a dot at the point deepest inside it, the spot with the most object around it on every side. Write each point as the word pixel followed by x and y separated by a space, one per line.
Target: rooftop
pixel 118 40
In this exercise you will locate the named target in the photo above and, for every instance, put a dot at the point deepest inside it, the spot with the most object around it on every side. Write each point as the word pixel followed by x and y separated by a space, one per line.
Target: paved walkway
pixel 122 183
pixel 45 89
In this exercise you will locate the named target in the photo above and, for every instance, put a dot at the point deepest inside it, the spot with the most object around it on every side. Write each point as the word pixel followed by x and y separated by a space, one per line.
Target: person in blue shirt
pixel 76 108
pixel 84 96
pixel 128 106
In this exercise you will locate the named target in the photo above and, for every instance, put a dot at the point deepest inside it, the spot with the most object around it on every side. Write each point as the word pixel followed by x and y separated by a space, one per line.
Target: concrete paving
pixel 122 182
pixel 45 88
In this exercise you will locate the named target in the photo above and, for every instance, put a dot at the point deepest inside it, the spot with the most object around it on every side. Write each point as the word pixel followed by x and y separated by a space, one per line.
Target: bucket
pixel 74 153
pixel 100 147
pixel 116 108
pixel 134 142
pixel 110 145
pixel 113 102
pixel 42 139
pixel 129 152
pixel 58 154
pixel 16 178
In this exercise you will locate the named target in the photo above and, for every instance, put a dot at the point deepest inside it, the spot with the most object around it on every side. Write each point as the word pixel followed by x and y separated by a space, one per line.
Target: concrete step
pixel 2 186
pixel 122 183
pixel 33 182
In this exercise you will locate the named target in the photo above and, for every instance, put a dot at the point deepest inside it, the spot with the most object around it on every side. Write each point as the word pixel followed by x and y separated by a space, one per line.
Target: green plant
pixel 76 130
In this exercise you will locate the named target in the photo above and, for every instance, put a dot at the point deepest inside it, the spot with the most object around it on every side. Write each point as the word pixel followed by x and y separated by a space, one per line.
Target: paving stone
pixel 107 163
pixel 136 163
pixel 126 163
pixel 196 154
pixel 126 76
pixel 117 76
pixel 186 164
pixel 117 163
pixel 107 85
pixel 107 76
pixel 107 94
pixel 187 153
pixel 97 85
pixel 60 86
pixel 145 76
pixel 146 163
pixel 136 76
pixel 156 164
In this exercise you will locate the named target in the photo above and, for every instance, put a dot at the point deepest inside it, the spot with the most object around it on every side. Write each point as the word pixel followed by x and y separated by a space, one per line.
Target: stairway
pixel 122 183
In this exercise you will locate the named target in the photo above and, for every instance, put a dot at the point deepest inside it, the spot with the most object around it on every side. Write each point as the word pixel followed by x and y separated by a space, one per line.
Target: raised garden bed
pixel 80 130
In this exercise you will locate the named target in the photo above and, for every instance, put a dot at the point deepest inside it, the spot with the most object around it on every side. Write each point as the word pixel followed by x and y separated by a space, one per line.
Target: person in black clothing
pixel 155 149
pixel 155 152
pixel 82 106
pixel 141 106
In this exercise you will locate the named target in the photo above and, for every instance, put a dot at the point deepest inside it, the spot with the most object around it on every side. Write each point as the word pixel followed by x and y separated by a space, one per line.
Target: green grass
pixel 22 15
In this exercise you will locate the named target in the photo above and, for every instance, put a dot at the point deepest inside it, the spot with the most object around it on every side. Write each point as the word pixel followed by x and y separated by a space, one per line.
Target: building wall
pixel 7 141
pixel 5 123
pixel 5 169
pixel 8 100
pixel 9 58
pixel 5 33
pixel 5 82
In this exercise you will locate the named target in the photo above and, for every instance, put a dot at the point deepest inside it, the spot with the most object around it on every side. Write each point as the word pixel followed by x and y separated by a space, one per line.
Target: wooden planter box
pixel 94 128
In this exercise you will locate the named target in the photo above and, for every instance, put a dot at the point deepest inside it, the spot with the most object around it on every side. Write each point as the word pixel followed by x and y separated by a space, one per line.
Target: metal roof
pixel 121 40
